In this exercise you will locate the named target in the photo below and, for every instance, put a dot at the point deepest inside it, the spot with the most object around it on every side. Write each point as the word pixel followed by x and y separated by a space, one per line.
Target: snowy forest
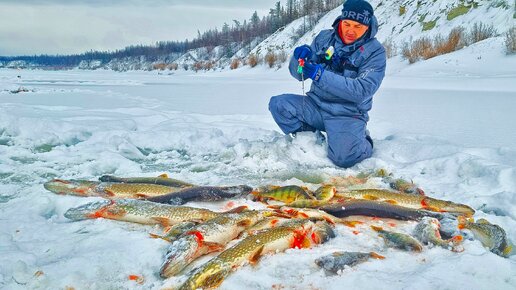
pixel 231 37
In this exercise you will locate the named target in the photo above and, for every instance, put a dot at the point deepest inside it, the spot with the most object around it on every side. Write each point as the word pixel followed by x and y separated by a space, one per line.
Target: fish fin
pixel 351 224
pixel 370 197
pixel 213 247
pixel 253 259
pixel 164 175
pixel 155 236
pixel 244 223
pixel 274 207
pixel 391 201
pixel 356 233
pixel 462 222
pixel 329 220
pixel 238 209
pixel 457 239
pixel 376 256
pixel 377 229
pixel 162 221
pixel 109 192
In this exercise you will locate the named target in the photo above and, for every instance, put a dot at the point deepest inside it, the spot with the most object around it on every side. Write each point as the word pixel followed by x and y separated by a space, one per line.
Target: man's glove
pixel 313 71
pixel 303 52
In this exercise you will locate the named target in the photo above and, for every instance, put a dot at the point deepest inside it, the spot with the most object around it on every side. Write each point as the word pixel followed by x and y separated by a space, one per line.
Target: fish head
pixel 180 253
pixel 462 209
pixel 208 277
pixel 86 211
pixel 71 187
pixel 325 192
pixel 322 232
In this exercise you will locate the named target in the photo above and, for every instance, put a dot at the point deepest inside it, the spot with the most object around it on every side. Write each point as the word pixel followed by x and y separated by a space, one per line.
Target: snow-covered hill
pixel 400 21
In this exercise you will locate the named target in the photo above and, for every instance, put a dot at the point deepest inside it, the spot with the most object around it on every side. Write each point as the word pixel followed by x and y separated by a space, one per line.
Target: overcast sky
pixel 30 27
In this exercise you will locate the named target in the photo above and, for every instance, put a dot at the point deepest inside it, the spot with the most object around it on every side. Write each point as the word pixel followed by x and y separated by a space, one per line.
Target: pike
pixel 427 232
pixel 160 180
pixel 297 234
pixel 208 237
pixel 407 200
pixel 372 208
pixel 398 240
pixel 141 212
pixel 151 192
pixel 490 235
pixel 338 261
pixel 108 190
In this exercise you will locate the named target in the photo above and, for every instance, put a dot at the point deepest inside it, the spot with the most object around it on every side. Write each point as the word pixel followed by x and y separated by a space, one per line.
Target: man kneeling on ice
pixel 347 66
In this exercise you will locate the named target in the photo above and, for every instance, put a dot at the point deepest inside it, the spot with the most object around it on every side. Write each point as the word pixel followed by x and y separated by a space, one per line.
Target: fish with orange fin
pixel 338 261
pixel 427 232
pixel 286 194
pixel 141 212
pixel 407 200
pixel 490 235
pixel 109 190
pixel 297 234
pixel 208 237
pixel 398 240
pixel 175 195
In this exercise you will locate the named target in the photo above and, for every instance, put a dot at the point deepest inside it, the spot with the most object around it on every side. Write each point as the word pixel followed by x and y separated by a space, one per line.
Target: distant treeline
pixel 239 33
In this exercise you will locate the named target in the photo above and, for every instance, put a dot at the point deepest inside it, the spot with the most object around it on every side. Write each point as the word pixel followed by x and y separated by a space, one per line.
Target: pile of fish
pixel 295 218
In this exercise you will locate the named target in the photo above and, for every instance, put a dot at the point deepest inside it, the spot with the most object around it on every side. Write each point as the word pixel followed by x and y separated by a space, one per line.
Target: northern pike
pixel 207 237
pixel 427 232
pixel 108 190
pixel 152 192
pixel 140 211
pixel 160 180
pixel 286 194
pixel 408 200
pixel 296 235
pixel 202 193
pixel 338 261
pixel 490 235
pixel 372 208
pixel 398 240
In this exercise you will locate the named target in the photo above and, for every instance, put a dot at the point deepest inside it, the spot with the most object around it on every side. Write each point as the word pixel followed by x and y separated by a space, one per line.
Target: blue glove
pixel 313 71
pixel 303 51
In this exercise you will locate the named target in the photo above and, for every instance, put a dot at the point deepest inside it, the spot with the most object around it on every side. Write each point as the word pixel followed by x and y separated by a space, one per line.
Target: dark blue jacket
pixel 351 78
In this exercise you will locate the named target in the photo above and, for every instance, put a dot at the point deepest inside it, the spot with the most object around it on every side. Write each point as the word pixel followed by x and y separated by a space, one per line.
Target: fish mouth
pixel 85 211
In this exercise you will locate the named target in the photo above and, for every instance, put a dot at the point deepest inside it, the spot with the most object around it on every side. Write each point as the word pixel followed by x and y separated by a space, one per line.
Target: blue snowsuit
pixel 339 102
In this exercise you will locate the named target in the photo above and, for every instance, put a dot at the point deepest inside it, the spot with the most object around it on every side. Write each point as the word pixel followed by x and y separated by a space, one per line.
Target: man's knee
pixel 347 155
pixel 343 160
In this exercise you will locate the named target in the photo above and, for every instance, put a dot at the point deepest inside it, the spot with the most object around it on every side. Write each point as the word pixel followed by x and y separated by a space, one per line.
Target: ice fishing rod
pixel 300 71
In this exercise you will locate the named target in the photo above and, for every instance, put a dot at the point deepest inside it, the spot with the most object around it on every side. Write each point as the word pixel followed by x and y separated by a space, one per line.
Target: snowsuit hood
pixel 370 34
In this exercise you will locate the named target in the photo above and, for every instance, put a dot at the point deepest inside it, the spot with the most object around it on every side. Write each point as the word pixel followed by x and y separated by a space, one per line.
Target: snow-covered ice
pixel 447 124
